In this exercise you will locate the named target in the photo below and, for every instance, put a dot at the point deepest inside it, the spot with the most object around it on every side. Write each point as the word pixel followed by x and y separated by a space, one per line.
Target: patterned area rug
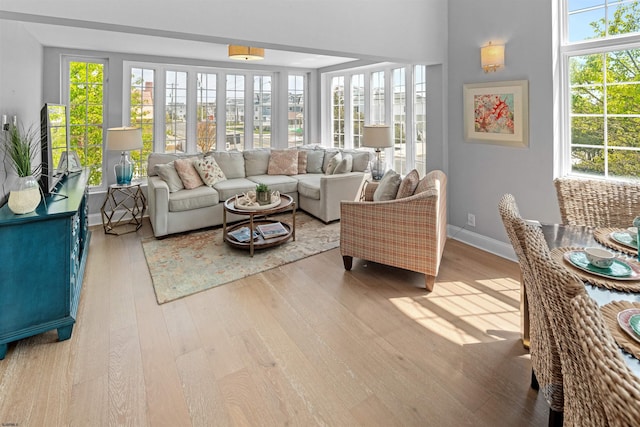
pixel 188 263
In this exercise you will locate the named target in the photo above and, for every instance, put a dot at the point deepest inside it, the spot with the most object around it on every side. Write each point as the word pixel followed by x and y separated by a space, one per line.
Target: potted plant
pixel 263 195
pixel 21 149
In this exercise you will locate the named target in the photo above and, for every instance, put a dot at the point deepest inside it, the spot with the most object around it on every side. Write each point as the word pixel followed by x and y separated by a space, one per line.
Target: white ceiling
pixel 112 41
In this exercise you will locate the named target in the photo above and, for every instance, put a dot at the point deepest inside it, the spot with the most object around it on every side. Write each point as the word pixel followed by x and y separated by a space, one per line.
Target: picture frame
pixel 70 161
pixel 497 113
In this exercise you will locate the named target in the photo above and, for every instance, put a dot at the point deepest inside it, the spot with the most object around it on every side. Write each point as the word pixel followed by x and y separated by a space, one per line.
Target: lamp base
pixel 124 170
pixel 378 167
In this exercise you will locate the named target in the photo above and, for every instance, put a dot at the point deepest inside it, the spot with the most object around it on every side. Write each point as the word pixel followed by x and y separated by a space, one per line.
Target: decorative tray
pixel 620 270
pixel 257 207
pixel 625 318
pixel 624 238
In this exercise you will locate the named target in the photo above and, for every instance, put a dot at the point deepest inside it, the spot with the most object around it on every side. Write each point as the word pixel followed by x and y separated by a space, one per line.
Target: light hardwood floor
pixel 304 344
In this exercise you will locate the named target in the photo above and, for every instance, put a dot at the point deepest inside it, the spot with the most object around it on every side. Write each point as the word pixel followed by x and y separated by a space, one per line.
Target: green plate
pixel 617 269
pixel 634 322
pixel 624 238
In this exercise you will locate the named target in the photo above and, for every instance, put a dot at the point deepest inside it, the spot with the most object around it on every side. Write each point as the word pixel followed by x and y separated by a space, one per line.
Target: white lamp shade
pixel 377 136
pixel 124 139
pixel 492 56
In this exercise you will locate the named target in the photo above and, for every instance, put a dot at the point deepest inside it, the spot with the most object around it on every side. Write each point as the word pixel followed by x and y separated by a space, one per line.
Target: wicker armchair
pixel 619 388
pixel 546 367
pixel 597 203
pixel 557 285
pixel 407 233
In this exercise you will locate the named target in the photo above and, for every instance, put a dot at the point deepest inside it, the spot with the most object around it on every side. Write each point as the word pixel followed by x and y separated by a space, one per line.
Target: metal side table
pixel 123 209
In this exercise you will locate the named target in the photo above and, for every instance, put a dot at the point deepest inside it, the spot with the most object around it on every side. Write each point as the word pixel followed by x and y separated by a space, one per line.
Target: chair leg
pixel 556 418
pixel 534 381
pixel 429 282
pixel 348 262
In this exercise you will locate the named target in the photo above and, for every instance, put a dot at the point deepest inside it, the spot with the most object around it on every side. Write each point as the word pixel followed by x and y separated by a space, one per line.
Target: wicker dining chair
pixel 546 368
pixel 558 286
pixel 596 202
pixel 619 388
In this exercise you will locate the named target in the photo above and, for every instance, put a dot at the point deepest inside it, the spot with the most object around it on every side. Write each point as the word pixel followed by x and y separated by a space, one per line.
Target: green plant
pixel 260 188
pixel 22 147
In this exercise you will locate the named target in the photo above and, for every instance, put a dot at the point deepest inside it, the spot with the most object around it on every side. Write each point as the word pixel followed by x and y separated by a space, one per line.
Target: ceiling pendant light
pixel 246 53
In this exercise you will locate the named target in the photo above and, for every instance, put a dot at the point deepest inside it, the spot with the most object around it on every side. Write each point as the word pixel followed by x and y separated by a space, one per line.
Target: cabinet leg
pixel 3 350
pixel 64 333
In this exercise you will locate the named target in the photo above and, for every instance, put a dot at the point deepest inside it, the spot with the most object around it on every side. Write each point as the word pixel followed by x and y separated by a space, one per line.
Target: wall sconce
pixel 492 57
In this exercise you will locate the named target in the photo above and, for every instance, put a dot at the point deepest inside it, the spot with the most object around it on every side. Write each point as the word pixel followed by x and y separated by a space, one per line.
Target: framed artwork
pixel 71 160
pixel 497 113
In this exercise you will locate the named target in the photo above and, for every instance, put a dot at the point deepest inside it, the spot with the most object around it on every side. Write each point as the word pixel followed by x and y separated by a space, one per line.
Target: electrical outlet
pixel 471 220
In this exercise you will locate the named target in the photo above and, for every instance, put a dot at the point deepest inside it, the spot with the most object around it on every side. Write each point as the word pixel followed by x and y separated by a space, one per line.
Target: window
pixel 175 112
pixel 337 110
pixel 295 120
pixel 142 115
pixel 601 83
pixel 86 114
pixel 357 108
pixel 261 111
pixel 377 98
pixel 420 118
pixel 206 112
pixel 235 112
pixel 399 120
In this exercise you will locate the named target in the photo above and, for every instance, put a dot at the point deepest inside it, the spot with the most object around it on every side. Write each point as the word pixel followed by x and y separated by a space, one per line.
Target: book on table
pixel 269 231
pixel 242 234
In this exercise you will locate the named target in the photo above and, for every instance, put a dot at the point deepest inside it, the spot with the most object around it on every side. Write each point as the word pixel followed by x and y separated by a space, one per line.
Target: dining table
pixel 559 237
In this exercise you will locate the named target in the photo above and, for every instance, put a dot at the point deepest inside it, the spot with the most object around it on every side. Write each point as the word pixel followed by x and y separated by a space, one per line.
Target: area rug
pixel 184 264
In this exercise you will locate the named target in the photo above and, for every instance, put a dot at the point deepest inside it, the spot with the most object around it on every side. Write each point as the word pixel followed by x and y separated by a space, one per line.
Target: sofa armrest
pixel 158 194
pixel 335 188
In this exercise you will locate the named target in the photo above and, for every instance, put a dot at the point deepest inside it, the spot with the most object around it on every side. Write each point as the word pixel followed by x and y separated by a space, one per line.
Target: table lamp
pixel 124 139
pixel 377 137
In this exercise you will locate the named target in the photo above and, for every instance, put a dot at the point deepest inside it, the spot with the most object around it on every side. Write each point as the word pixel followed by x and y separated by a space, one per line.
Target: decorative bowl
pixel 633 232
pixel 599 257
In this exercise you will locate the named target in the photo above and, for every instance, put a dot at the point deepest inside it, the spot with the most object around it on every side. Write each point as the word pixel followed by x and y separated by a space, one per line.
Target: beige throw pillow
pixel 333 163
pixel 209 171
pixel 302 161
pixel 188 173
pixel 167 172
pixel 408 185
pixel 345 165
pixel 388 187
pixel 283 162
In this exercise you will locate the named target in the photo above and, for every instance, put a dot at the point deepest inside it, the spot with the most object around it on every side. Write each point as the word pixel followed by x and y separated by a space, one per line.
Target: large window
pixel 295 119
pixel 235 112
pixel 175 112
pixel 357 108
pixel 142 115
pixel 420 117
pixel 377 98
pixel 337 110
pixel 601 59
pixel 399 120
pixel 86 89
pixel 261 111
pixel 206 112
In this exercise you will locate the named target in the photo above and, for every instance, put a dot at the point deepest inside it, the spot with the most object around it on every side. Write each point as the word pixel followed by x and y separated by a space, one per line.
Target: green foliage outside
pixel 622 95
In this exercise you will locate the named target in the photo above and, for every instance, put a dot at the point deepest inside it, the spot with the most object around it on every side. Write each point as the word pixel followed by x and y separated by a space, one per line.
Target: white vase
pixel 25 197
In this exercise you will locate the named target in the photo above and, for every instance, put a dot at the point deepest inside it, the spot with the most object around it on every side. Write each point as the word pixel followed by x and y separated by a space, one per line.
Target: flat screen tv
pixel 54 133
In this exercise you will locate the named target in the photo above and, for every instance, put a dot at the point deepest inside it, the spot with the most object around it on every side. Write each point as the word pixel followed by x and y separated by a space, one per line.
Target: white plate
pixel 623 321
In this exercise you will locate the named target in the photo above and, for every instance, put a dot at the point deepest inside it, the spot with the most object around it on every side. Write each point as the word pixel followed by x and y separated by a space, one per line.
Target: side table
pixel 123 209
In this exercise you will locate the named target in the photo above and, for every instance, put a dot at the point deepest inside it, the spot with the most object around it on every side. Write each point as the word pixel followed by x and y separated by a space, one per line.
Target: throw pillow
pixel 209 171
pixel 167 172
pixel 333 163
pixel 315 159
pixel 388 187
pixel 283 162
pixel 302 161
pixel 188 173
pixel 408 185
pixel 345 165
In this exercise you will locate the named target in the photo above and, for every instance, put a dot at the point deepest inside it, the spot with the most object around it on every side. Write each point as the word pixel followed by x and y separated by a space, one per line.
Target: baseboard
pixel 479 241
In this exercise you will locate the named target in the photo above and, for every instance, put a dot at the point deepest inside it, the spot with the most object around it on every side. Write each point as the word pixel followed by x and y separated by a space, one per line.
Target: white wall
pixel 20 83
pixel 479 174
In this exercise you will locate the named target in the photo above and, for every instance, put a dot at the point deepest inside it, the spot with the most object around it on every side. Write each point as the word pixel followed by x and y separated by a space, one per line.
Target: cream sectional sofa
pixel 315 191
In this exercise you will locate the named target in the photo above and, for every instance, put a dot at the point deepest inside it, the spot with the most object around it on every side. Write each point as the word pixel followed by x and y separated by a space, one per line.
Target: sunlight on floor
pixel 467 313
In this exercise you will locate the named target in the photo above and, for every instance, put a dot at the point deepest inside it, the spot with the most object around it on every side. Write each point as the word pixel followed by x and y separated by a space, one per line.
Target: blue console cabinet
pixel 42 260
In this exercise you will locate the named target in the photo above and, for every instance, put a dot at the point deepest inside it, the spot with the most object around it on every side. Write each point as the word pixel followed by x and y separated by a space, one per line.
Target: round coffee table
pixel 258 216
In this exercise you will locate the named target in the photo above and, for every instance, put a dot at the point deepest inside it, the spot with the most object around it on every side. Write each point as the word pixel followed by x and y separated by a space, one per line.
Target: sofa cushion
pixel 231 187
pixel 283 162
pixel 388 187
pixel 256 162
pixel 333 163
pixel 168 173
pixel 328 155
pixel 186 200
pixel 309 186
pixel 302 161
pixel 345 165
pixel 231 163
pixel 315 160
pixel 361 159
pixel 408 185
pixel 208 169
pixel 188 173
pixel 281 183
